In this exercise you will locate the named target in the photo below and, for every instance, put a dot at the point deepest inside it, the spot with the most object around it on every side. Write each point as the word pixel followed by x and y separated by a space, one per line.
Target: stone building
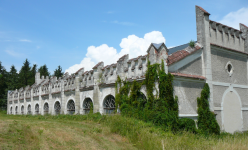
pixel 219 58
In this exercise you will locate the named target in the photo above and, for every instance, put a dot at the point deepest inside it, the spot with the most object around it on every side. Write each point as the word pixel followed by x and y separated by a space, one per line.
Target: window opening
pixel 71 107
pixel 109 104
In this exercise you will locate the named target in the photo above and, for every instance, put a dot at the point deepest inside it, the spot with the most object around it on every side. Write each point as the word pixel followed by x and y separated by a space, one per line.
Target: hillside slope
pixel 95 131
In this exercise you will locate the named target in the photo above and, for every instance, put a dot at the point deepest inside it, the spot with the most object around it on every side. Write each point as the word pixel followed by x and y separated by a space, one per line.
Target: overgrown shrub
pixel 160 109
pixel 187 124
pixel 207 123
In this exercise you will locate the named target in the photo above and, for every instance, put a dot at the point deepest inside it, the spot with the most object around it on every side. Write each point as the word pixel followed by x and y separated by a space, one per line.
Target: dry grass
pixel 22 133
pixel 103 132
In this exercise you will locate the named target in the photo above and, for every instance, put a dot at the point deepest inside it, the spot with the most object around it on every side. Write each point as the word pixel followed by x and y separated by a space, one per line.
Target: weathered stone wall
pixel 187 92
pixel 194 67
pixel 218 92
pixel 219 62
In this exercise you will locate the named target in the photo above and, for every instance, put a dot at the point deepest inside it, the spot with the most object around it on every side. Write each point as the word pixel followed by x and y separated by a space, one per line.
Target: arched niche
pixel 109 104
pixel 232 119
pixel 57 108
pixel 46 108
pixel 87 104
pixel 71 107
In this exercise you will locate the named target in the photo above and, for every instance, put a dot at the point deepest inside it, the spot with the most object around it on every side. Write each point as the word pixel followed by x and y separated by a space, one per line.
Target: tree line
pixel 26 76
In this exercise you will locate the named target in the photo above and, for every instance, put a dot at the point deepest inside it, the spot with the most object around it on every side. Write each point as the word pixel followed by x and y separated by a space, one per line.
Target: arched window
pixel 141 100
pixel 10 110
pixel 29 109
pixel 37 109
pixel 16 110
pixel 46 108
pixel 87 105
pixel 109 104
pixel 22 109
pixel 57 108
pixel 71 107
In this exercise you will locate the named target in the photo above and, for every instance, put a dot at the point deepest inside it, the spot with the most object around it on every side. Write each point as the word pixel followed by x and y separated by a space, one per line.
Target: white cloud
pixel 132 45
pixel 25 40
pixel 234 18
pixel 37 47
pixel 13 53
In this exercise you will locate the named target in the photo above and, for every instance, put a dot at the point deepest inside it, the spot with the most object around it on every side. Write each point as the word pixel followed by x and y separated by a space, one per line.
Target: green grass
pixel 97 131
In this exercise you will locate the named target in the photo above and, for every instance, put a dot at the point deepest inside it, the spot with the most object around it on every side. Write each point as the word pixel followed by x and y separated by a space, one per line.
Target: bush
pixel 187 124
pixel 192 43
pixel 207 123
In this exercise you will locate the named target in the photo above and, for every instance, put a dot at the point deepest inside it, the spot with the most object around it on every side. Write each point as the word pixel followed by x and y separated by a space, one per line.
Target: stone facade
pixel 218 58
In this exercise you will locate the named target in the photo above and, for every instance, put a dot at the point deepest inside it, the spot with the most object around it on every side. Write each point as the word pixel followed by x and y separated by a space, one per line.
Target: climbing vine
pixel 161 109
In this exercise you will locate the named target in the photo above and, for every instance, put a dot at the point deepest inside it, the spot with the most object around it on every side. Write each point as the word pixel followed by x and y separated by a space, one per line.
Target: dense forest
pixel 26 76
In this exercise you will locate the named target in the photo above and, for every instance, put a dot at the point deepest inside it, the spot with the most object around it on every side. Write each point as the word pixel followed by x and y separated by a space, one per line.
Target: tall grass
pixel 148 136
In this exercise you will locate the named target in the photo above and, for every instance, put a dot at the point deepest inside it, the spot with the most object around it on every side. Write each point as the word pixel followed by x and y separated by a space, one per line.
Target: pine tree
pixel 24 74
pixel 207 123
pixel 13 79
pixel 43 71
pixel 3 86
pixel 58 72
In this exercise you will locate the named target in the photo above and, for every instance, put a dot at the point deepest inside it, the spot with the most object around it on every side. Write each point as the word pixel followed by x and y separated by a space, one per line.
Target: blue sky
pixel 77 34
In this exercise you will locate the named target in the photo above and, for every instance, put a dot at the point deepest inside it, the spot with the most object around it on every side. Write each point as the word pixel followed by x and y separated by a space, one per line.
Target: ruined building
pixel 218 58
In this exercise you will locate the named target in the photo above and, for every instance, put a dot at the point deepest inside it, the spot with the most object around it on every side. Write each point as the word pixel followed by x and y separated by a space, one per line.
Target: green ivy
pixel 161 109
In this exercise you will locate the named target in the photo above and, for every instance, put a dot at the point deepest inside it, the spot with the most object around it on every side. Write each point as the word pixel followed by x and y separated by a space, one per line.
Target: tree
pixel 13 79
pixel 58 72
pixel 24 74
pixel 207 123
pixel 43 71
pixel 3 86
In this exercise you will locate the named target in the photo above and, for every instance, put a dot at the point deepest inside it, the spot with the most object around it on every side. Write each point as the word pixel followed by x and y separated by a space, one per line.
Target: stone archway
pixel 232 113
pixel 57 107
pixel 71 107
pixel 109 104
pixel 22 109
pixel 87 104
pixel 37 109
pixel 46 108
pixel 16 110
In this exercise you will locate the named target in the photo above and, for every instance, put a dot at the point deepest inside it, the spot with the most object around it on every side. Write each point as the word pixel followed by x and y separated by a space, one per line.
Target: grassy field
pixel 102 132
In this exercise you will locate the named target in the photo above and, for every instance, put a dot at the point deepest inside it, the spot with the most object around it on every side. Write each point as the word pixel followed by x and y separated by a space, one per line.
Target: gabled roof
pixel 177 48
pixel 157 46
pixel 179 55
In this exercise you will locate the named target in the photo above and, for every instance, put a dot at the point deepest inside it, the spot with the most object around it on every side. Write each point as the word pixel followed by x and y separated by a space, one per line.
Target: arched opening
pixel 232 115
pixel 10 110
pixel 70 107
pixel 57 108
pixel 141 100
pixel 22 109
pixel 87 104
pixel 16 110
pixel 29 109
pixel 109 104
pixel 37 109
pixel 46 108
